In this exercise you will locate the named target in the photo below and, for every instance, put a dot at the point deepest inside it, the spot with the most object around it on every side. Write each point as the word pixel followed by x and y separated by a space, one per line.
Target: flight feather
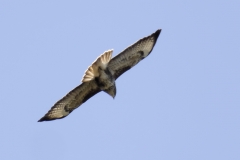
pixel 132 54
pixel 101 76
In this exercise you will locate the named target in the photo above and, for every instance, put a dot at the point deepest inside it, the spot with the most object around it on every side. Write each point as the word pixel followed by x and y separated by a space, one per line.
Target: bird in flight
pixel 101 76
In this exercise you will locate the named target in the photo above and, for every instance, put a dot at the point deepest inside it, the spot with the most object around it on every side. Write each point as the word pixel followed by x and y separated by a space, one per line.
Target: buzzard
pixel 101 76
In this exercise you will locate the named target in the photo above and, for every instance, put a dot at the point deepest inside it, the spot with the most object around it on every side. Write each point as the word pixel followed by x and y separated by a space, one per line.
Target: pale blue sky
pixel 180 103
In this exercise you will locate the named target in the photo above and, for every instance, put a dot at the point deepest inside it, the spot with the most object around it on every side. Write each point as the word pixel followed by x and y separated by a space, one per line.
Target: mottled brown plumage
pixel 101 76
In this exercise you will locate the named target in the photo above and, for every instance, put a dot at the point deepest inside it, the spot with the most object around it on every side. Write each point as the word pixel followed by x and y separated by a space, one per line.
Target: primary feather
pixel 101 76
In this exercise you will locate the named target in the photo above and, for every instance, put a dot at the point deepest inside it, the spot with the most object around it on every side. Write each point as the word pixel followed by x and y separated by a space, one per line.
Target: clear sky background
pixel 180 103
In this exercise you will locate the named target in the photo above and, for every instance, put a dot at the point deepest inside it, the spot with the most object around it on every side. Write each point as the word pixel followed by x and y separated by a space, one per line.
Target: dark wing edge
pixel 133 54
pixel 71 101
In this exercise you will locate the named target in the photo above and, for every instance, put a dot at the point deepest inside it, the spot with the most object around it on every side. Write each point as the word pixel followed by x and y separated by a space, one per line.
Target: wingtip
pixel 42 119
pixel 157 33
pixel 45 118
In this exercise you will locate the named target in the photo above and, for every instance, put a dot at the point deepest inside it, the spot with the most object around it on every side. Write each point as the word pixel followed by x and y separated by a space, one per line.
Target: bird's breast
pixel 105 79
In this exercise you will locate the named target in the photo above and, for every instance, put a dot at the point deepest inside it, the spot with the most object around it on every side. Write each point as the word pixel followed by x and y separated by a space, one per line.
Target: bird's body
pixel 101 76
pixel 106 82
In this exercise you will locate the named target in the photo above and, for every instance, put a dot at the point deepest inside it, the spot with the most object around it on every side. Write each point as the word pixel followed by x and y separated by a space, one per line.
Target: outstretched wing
pixel 71 101
pixel 132 55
